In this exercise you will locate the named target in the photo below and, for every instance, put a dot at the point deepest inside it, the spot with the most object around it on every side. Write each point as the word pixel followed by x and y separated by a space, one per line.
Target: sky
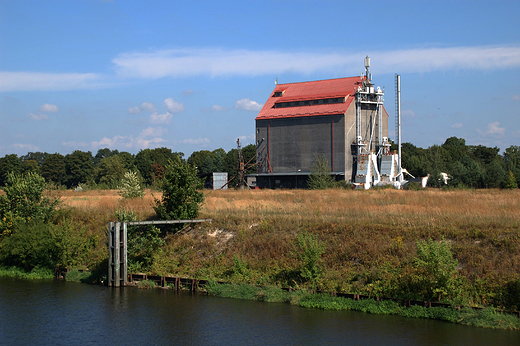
pixel 193 75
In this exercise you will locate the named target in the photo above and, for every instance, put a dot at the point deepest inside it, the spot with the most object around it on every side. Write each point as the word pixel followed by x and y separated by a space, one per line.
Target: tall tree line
pixel 474 166
pixel 106 168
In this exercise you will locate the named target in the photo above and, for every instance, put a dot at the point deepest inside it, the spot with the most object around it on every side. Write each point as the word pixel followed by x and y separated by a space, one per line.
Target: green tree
pixel 80 168
pixel 320 177
pixel 308 249
pixel 130 186
pixel 53 168
pixel 102 153
pixel 494 175
pixel 110 171
pixel 197 159
pixel 511 181
pixel 23 201
pixel 436 266
pixel 9 164
pixel 181 187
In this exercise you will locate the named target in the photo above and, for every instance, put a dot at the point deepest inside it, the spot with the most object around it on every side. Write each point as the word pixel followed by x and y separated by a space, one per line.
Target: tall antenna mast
pixel 398 115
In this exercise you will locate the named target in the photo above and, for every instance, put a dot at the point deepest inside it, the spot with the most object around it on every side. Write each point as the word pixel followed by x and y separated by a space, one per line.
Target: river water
pixel 41 312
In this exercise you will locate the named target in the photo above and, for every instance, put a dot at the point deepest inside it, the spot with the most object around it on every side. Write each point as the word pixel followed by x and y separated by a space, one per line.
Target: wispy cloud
pixel 25 81
pixel 165 118
pixel 147 138
pixel 493 129
pixel 173 106
pixel 457 126
pixel 48 108
pixel 37 116
pixel 516 97
pixel 248 105
pixel 218 108
pixel 221 62
pixel 216 62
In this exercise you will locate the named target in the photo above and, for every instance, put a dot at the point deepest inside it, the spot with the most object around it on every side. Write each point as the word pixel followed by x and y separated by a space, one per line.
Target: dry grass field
pixel 366 234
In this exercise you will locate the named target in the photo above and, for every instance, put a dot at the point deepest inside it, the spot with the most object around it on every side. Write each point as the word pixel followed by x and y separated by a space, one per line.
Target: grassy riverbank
pixel 369 241
pixel 487 318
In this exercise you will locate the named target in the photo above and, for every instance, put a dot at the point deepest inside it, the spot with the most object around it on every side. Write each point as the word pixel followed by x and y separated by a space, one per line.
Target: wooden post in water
pixel 117 254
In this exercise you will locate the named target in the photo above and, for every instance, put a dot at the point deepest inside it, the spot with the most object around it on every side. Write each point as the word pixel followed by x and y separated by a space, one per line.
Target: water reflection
pixel 64 313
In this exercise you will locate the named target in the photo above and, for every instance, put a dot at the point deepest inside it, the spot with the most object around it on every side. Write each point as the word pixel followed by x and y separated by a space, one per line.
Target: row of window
pixel 309 102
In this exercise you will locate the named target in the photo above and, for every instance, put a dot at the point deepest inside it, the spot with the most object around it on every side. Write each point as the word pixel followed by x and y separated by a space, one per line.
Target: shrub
pixel 23 201
pixel 320 177
pixel 436 266
pixel 130 186
pixel 144 242
pixel 308 250
pixel 181 197
pixel 45 245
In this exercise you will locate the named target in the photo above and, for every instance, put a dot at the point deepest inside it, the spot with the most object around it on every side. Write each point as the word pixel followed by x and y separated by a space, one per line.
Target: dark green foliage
pixel 110 171
pixel 53 168
pixel 181 197
pixel 45 245
pixel 494 175
pixel 144 242
pixel 320 177
pixel 23 202
pixel 79 167
pixel 9 164
pixel 145 159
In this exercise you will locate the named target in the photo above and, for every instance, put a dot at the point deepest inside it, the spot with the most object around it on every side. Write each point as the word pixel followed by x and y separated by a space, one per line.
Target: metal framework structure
pixel 374 164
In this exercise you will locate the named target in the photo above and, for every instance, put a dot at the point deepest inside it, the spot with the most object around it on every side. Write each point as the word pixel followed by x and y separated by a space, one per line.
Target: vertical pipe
pixel 399 120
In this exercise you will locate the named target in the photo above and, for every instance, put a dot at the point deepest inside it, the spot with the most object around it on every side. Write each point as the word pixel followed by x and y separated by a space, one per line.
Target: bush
pixel 181 197
pixel 308 250
pixel 23 201
pixel 36 244
pixel 144 242
pixel 130 186
pixel 320 177
pixel 436 268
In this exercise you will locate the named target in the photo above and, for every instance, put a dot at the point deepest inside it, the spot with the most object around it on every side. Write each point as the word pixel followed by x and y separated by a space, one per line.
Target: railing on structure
pixel 117 247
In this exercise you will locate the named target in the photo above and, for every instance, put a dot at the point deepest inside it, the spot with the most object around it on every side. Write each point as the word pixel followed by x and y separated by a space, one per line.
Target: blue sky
pixel 192 75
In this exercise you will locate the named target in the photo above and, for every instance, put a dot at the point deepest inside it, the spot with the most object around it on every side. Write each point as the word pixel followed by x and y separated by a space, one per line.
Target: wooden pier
pixel 118 247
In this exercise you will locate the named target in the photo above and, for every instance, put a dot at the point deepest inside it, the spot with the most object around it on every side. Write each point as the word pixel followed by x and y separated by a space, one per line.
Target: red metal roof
pixel 315 90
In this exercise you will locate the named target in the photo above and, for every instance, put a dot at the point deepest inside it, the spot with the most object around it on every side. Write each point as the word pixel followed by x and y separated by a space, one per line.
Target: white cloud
pixel 48 108
pixel 457 126
pixel 188 92
pixel 218 108
pixel 408 113
pixel 148 106
pixel 74 144
pixel 516 97
pixel 164 118
pixel 133 110
pixel 147 138
pixel 37 116
pixel 493 129
pixel 173 106
pixel 194 141
pixel 221 62
pixel 25 81
pixel 248 105
pixel 27 147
